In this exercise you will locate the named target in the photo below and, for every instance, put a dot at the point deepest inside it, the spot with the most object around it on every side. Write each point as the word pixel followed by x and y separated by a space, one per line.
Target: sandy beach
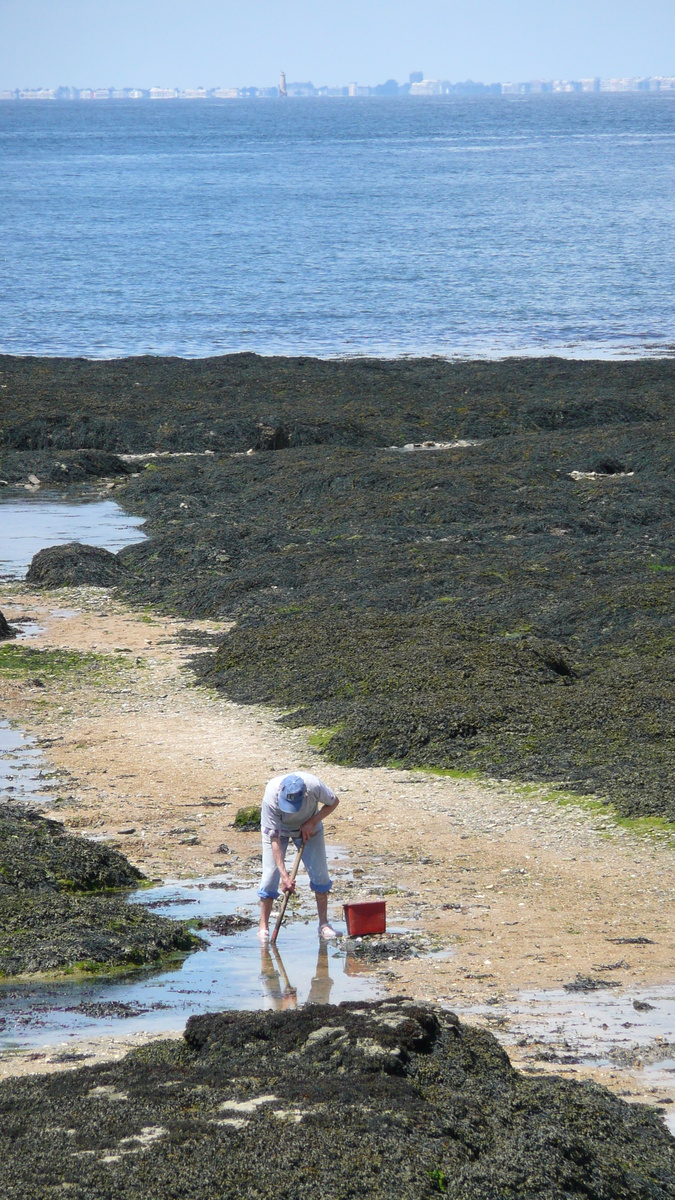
pixel 524 892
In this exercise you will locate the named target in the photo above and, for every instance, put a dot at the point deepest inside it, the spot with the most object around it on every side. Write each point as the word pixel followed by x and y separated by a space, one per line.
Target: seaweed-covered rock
pixel 228 925
pixel 61 467
pixel 360 1101
pixel 37 854
pixel 590 983
pixel 432 688
pixel 40 931
pixel 385 948
pixel 502 605
pixel 6 630
pixel 161 403
pixel 75 564
pixel 272 437
pixel 56 910
pixel 247 820
pixel 91 464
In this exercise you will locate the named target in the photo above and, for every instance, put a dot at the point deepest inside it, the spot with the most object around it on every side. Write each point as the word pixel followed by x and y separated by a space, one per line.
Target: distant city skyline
pixel 192 44
pixel 417 85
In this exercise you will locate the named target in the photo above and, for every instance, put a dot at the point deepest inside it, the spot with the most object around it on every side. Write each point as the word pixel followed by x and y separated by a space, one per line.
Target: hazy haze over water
pixel 386 227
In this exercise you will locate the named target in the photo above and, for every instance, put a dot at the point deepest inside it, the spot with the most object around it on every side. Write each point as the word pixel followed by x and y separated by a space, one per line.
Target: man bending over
pixel 293 808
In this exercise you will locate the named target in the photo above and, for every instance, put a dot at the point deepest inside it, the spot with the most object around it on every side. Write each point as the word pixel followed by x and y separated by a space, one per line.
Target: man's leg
pixel 325 928
pixel 266 905
pixel 314 859
pixel 269 885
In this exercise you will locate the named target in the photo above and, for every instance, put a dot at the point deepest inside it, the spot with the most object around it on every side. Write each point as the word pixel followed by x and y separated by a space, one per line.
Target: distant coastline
pixel 416 87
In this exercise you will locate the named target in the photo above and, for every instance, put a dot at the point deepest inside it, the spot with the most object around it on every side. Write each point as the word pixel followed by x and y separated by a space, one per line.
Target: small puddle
pixel 30 523
pixel 27 628
pixel 602 1026
pixel 232 972
pixel 23 775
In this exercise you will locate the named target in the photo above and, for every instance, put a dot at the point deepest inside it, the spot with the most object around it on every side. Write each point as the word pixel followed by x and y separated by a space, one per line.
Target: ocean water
pixel 454 226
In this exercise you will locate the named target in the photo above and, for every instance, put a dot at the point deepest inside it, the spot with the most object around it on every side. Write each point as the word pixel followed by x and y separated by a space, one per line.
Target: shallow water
pixel 22 767
pixel 598 1029
pixel 232 972
pixel 27 627
pixel 602 1025
pixel 30 523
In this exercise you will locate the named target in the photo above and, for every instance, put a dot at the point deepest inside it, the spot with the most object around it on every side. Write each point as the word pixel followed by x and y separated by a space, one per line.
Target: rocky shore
pixel 499 605
pixel 522 887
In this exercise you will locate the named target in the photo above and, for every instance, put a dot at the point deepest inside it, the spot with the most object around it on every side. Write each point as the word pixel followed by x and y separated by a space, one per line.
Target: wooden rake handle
pixel 284 903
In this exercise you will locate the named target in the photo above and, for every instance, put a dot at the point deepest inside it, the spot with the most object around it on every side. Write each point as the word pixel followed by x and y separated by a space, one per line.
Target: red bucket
pixel 367 917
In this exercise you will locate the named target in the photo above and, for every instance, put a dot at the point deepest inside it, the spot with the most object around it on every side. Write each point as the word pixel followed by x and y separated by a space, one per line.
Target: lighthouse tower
pixel 282 84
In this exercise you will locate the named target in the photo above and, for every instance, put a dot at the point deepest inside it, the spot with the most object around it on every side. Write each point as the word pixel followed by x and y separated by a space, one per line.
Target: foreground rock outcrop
pixel 390 1099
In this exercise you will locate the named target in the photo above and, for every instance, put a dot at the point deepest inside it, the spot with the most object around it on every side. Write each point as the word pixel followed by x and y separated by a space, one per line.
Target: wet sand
pixel 525 893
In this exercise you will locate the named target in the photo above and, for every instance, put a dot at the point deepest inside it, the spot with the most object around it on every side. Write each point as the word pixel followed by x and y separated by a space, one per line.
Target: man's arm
pixel 310 827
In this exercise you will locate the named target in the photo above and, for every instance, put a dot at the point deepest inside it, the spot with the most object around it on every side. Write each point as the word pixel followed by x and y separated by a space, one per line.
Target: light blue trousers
pixel 314 861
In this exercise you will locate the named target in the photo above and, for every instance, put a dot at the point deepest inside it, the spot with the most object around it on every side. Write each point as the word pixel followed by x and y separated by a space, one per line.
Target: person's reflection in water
pixel 322 984
pixel 278 987
pixel 275 982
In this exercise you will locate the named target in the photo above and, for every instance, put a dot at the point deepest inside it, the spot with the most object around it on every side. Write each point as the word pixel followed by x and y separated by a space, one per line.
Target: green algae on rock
pixel 36 854
pixel 369 1100
pixel 43 933
pixel 247 819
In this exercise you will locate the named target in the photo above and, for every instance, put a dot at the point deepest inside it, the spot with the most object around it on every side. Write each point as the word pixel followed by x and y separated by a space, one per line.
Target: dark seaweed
pixel 136 405
pixel 36 854
pixel 56 910
pixel 229 924
pixel 476 609
pixel 358 1100
pixel 74 564
pixel 382 949
pixel 102 1009
pixel 589 983
pixel 46 932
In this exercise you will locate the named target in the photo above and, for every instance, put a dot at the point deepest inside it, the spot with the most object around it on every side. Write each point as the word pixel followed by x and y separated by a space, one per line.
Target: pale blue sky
pixel 187 43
